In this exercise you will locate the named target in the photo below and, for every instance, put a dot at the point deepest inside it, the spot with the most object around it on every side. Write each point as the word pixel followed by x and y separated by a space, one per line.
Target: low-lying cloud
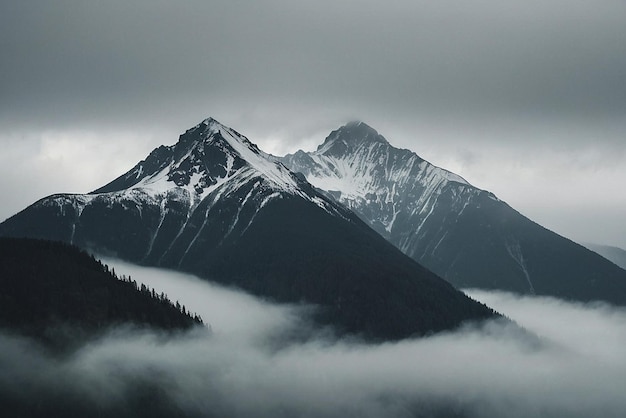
pixel 569 364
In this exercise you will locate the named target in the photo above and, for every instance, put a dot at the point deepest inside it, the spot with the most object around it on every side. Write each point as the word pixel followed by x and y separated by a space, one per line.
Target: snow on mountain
pixel 178 193
pixel 388 187
pixel 209 157
pixel 464 234
pixel 215 205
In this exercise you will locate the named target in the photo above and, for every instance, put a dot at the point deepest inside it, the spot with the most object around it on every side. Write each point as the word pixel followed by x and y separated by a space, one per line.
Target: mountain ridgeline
pixel 614 254
pixel 215 205
pixel 56 304
pixel 464 234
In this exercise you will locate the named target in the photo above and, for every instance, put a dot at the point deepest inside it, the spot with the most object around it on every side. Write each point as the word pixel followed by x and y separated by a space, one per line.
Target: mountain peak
pixel 357 124
pixel 205 131
pixel 349 137
pixel 210 157
pixel 210 125
pixel 210 121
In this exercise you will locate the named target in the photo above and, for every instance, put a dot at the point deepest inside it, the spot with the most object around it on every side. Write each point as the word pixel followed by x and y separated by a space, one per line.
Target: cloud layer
pixel 525 99
pixel 78 62
pixel 569 364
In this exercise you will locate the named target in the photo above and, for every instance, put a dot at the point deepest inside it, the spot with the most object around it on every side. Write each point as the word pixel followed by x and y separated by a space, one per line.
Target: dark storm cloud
pixel 82 62
pixel 574 368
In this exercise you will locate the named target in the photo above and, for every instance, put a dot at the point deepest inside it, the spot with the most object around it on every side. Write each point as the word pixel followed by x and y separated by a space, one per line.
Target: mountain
pixel 462 233
pixel 614 254
pixel 55 302
pixel 215 205
pixel 60 295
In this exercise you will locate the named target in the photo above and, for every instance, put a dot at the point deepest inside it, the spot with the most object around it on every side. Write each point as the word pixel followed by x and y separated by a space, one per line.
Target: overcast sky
pixel 524 98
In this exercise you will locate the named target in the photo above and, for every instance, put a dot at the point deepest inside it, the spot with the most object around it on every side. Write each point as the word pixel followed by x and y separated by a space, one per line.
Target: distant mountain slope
pixel 215 205
pixel 47 285
pixel 615 254
pixel 462 233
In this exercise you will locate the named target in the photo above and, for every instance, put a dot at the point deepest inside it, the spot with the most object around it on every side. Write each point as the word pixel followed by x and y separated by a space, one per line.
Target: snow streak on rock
pixel 180 186
pixel 393 190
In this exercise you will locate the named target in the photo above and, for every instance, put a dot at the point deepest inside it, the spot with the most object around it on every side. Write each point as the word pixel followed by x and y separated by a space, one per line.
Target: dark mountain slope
pixel 50 288
pixel 55 299
pixel 364 284
pixel 491 234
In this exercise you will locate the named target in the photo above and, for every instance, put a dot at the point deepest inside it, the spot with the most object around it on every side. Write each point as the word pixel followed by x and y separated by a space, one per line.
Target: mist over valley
pixel 566 361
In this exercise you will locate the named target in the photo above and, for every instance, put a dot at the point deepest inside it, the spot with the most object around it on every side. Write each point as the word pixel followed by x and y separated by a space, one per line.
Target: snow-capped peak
pixel 358 167
pixel 349 138
pixel 210 157
pixel 261 162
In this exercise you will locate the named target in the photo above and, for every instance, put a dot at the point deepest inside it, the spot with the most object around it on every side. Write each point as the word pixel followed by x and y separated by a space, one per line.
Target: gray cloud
pixel 574 368
pixel 515 84
pixel 91 62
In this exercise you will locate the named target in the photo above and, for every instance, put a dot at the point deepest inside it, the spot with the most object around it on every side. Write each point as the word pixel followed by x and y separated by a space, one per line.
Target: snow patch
pixel 514 249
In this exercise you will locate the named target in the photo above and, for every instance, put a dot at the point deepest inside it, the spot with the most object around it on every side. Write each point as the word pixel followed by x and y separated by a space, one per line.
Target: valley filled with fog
pixel 265 360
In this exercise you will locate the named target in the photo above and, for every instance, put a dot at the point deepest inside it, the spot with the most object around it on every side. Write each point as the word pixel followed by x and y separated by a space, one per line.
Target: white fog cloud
pixel 569 362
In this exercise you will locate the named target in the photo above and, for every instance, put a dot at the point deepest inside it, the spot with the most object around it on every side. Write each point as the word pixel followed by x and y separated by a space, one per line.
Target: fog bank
pixel 573 367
